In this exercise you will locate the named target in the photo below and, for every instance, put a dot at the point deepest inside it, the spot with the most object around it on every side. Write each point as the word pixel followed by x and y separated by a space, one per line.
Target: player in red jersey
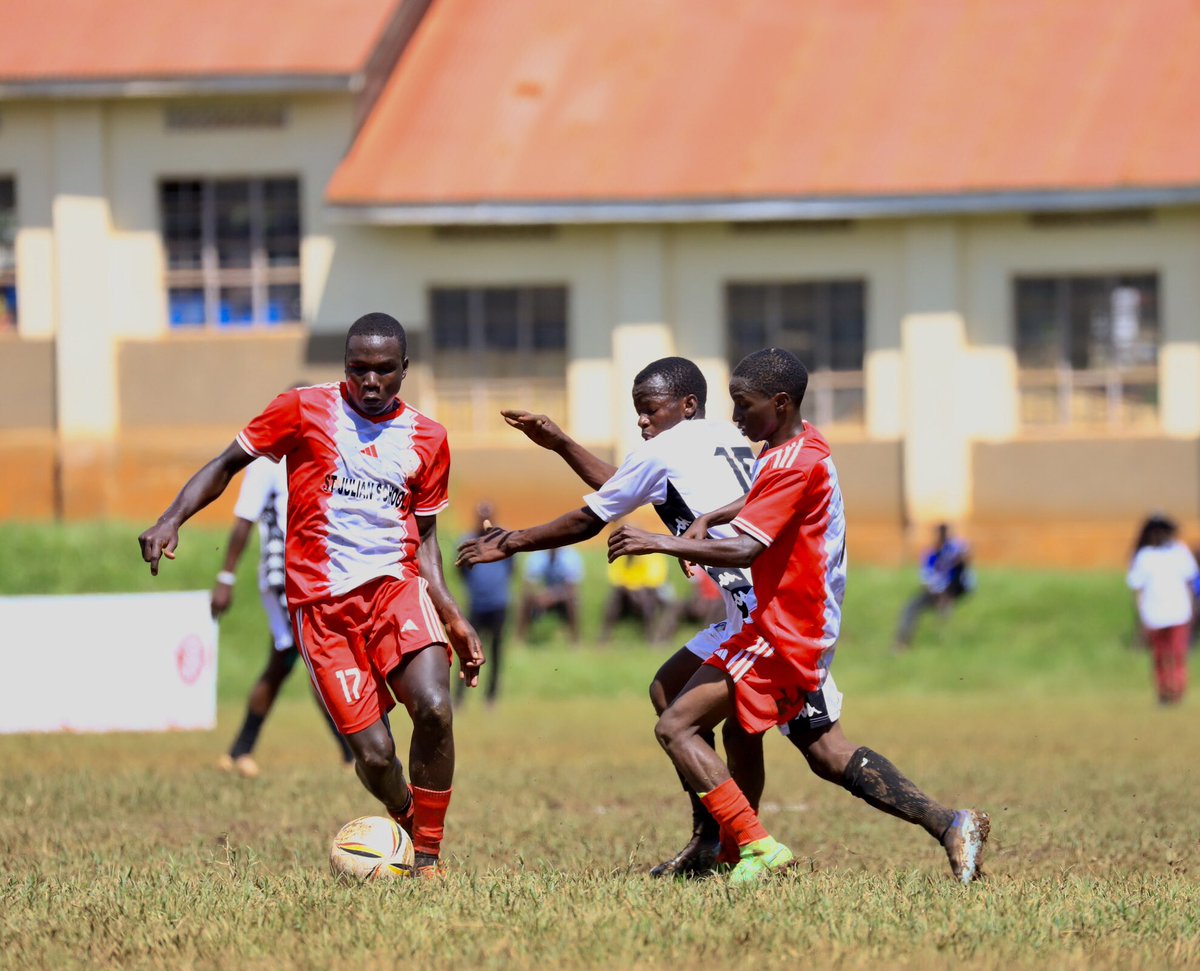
pixel 791 527
pixel 367 477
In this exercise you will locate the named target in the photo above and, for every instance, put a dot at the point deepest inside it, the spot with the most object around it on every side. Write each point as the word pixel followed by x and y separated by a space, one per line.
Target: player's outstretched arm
pixel 542 431
pixel 222 592
pixel 202 488
pixel 463 639
pixel 740 550
pixel 499 544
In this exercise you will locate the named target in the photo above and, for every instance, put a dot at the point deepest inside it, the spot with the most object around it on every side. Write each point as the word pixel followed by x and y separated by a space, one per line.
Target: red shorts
pixel 351 644
pixel 770 686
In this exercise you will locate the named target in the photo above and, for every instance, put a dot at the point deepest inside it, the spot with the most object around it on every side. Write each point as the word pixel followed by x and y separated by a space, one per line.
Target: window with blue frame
pixel 232 251
pixel 8 253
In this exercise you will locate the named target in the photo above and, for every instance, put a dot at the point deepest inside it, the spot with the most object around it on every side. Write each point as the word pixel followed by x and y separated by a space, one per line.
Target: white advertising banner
pixel 142 662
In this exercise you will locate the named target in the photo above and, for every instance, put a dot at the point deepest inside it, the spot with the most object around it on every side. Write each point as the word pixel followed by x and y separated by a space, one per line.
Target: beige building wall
pixel 999 249
pixel 393 270
pixel 90 271
pixel 941 437
pixel 27 154
pixel 707 257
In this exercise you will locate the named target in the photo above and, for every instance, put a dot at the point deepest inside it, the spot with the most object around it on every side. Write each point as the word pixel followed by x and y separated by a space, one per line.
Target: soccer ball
pixel 371 848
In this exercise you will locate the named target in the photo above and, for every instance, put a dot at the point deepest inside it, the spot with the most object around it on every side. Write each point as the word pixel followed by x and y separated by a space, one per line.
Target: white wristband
pixel 226 577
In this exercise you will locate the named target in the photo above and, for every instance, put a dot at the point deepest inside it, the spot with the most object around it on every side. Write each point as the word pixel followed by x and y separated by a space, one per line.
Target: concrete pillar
pixel 1179 389
pixel 937 456
pixel 594 409
pixel 86 348
pixel 641 333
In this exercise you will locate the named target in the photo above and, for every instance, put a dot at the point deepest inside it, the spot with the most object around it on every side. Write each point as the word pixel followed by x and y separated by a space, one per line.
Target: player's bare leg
pixel 422 684
pixel 705 701
pixel 262 698
pixel 743 751
pixel 876 781
pixel 699 854
pixel 381 772
pixel 258 706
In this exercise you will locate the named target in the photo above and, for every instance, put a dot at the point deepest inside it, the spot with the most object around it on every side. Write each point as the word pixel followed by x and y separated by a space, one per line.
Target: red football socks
pixel 731 809
pixel 429 818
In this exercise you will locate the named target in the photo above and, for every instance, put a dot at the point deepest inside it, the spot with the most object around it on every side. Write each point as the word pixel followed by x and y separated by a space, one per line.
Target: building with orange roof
pixel 979 224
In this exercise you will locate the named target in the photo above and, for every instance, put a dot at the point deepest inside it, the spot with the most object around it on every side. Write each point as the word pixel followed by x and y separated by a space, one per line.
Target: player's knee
pixel 662 733
pixel 432 713
pixel 670 730
pixel 376 754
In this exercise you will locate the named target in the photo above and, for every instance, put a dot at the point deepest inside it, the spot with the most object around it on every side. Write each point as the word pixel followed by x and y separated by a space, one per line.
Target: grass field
pixel 132 851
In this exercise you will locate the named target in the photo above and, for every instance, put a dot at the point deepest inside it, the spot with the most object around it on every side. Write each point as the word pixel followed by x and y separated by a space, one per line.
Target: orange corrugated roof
pixel 551 100
pixel 119 39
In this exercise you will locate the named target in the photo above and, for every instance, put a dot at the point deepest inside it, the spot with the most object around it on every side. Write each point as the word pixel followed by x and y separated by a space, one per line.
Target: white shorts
pixel 709 639
pixel 275 607
pixel 823 707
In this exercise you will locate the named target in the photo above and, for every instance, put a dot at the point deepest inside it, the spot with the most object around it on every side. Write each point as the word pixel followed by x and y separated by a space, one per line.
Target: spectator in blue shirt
pixel 487 597
pixel 551 585
pixel 945 577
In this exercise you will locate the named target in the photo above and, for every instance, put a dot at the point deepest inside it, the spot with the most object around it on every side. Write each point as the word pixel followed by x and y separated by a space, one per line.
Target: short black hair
pixel 1156 530
pixel 773 370
pixel 378 324
pixel 680 375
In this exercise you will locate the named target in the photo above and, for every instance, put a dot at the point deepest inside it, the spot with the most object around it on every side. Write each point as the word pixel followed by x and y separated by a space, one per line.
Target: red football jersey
pixel 795 509
pixel 355 485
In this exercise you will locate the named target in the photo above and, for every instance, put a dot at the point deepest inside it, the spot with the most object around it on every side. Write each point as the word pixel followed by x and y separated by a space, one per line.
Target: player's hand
pixel 487 548
pixel 698 529
pixel 630 541
pixel 537 428
pixel 222 597
pixel 158 541
pixel 466 645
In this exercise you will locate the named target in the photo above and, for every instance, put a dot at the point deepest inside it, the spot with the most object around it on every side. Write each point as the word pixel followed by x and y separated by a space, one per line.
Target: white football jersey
pixel 263 499
pixel 693 468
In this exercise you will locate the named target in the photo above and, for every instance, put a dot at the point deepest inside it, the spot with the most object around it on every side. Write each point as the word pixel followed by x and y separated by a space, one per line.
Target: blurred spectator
pixel 945 577
pixel 1195 604
pixel 1161 576
pixel 263 499
pixel 487 596
pixel 550 585
pixel 640 590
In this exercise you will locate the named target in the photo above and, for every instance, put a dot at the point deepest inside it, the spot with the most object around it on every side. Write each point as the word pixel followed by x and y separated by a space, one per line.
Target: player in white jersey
pixel 262 499
pixel 792 527
pixel 687 465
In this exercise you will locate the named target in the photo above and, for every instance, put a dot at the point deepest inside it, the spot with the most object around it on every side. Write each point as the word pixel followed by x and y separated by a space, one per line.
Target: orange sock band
pixel 730 808
pixel 429 818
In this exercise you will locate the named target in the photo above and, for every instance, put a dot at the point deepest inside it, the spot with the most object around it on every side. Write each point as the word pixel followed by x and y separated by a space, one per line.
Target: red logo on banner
pixel 189 659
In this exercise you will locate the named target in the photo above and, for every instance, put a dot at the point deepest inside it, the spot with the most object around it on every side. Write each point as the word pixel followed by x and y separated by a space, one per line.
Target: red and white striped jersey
pixel 795 509
pixel 355 486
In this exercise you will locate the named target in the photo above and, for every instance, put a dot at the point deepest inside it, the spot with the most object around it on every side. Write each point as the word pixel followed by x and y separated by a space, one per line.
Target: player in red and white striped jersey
pixel 367 477
pixel 791 527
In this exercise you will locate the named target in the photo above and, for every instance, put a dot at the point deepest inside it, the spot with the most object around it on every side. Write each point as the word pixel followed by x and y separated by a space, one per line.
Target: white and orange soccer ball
pixel 371 848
